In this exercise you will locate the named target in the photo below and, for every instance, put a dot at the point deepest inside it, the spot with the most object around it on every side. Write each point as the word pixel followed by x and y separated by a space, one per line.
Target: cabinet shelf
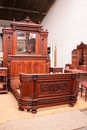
pixel 3 91
pixel 3 80
pixel 3 83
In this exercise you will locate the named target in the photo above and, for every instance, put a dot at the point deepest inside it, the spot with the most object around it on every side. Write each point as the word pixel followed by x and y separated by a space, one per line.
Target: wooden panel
pixel 21 67
pixel 36 67
pixel 42 67
pixel 26 66
pixel 14 69
pixel 50 88
pixel 26 91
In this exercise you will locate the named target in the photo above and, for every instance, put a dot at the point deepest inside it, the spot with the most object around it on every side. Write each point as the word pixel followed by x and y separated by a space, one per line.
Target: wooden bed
pixel 25 52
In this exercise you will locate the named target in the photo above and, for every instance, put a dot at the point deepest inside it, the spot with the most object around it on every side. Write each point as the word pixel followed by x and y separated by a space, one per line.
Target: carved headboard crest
pixel 27 20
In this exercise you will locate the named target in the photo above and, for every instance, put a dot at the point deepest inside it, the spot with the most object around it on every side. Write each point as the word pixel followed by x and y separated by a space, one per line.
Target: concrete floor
pixel 9 108
pixel 71 120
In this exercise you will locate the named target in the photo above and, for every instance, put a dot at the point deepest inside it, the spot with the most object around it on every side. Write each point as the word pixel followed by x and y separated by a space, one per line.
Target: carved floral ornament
pixel 54 87
pixel 28 20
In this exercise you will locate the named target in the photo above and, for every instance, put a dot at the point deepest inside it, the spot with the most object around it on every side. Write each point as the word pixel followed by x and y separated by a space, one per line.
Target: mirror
pixel 26 42
pixel 82 57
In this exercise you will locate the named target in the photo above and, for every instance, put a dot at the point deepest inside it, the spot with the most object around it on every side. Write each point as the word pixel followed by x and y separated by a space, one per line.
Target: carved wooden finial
pixel 27 19
pixel 14 19
pixel 39 22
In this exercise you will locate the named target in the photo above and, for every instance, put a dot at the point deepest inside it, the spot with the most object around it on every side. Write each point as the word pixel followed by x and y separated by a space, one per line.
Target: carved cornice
pixel 27 57
pixel 9 32
pixel 26 25
pixel 34 29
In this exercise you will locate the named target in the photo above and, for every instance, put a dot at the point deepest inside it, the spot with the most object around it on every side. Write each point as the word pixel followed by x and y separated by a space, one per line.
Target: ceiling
pixel 20 9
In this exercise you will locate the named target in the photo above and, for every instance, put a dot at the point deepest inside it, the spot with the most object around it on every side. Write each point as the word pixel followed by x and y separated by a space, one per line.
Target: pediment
pixel 82 46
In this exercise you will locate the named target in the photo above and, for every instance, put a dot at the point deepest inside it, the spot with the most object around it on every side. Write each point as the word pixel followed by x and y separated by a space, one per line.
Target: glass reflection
pixel 26 42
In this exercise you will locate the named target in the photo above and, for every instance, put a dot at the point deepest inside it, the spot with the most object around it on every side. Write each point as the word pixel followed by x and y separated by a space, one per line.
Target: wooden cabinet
pixel 79 57
pixel 3 80
pixel 56 69
pixel 79 61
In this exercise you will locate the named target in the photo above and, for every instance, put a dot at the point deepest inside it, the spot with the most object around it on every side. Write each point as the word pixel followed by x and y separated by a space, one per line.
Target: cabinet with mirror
pixel 79 57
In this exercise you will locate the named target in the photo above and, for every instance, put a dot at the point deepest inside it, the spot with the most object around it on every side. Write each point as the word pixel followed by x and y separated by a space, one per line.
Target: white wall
pixel 3 23
pixel 66 22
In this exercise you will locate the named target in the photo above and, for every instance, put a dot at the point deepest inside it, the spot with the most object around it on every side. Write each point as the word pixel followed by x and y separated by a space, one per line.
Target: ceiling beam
pixel 14 4
pixel 37 8
pixel 27 3
pixel 22 10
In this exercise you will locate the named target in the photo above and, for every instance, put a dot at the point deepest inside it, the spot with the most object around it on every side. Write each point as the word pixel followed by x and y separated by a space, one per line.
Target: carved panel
pixel 54 87
pixel 36 67
pixel 26 89
pixel 21 67
pixel 14 69
pixel 28 67
pixel 42 67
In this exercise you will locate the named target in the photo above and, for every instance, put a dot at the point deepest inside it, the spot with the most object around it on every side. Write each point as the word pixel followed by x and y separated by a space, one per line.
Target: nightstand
pixel 3 80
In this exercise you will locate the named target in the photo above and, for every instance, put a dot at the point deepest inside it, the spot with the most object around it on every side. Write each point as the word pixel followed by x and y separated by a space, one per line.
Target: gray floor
pixel 83 128
pixel 72 120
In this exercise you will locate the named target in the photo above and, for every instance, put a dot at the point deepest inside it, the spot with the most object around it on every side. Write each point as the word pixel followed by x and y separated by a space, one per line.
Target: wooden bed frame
pixel 25 50
pixel 44 90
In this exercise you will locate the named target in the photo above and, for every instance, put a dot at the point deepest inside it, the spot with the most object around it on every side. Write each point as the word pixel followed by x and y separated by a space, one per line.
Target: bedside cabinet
pixel 56 69
pixel 3 80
